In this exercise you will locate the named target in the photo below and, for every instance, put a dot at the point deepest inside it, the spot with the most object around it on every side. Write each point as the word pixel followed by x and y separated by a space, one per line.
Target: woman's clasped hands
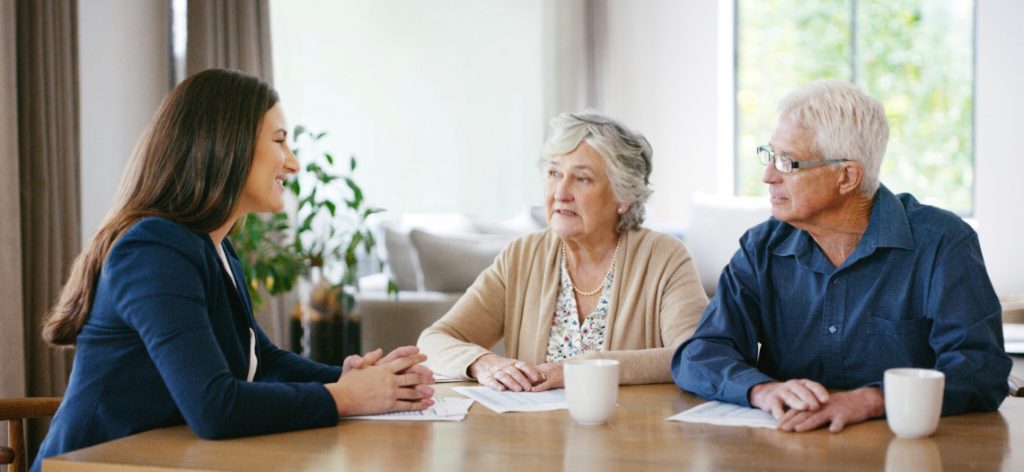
pixel 501 373
pixel 375 383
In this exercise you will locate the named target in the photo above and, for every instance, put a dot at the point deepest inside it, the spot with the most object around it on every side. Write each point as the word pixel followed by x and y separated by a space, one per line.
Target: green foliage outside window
pixel 916 56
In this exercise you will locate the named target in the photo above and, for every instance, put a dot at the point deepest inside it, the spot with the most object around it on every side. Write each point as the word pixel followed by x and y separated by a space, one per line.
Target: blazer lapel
pixel 241 307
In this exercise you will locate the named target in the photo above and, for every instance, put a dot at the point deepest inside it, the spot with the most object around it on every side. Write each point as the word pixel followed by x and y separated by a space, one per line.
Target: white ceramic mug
pixel 913 401
pixel 591 389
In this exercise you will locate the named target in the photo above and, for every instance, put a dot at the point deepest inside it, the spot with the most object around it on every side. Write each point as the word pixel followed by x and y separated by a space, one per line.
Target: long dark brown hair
pixel 189 166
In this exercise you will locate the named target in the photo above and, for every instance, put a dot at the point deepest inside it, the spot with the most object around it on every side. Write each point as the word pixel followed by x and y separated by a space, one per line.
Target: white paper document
pixel 1013 336
pixel 502 402
pixel 444 409
pixel 726 414
pixel 438 378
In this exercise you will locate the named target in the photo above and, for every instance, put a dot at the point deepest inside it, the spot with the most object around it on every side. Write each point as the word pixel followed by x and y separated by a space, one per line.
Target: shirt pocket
pixel 900 343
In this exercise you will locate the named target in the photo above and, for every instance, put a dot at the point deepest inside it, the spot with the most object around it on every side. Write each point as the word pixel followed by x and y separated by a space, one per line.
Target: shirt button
pixel 832 329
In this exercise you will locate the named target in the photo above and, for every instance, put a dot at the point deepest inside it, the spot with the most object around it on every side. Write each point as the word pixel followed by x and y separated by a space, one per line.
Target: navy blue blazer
pixel 167 343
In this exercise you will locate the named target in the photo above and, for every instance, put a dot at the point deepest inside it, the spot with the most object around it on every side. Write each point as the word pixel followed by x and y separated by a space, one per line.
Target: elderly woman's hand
pixel 551 372
pixel 502 373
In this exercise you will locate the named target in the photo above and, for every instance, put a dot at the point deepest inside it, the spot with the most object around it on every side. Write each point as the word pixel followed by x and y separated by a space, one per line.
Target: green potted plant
pixel 316 250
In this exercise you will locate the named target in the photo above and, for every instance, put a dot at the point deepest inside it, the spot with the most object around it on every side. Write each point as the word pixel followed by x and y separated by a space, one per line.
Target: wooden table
pixel 636 438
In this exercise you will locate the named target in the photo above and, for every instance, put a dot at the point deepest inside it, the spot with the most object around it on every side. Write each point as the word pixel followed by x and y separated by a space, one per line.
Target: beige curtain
pixel 47 170
pixel 596 25
pixel 229 34
pixel 12 349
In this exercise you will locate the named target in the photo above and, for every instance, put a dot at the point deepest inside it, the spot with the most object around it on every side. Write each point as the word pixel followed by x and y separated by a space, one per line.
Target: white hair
pixel 626 153
pixel 847 124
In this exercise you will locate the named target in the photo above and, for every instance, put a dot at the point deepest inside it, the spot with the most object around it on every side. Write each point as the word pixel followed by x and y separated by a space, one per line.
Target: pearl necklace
pixel 585 293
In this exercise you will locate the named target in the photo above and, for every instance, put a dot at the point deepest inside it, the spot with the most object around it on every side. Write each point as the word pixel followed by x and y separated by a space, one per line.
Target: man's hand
pixel 779 397
pixel 842 409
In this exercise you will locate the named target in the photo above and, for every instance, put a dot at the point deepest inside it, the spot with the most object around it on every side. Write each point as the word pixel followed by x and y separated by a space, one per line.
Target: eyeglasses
pixel 786 164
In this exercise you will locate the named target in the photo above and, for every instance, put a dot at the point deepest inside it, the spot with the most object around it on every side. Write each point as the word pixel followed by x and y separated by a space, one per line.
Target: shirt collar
pixel 887 227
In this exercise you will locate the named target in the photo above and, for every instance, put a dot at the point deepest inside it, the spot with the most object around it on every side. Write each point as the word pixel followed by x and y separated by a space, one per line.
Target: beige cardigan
pixel 656 301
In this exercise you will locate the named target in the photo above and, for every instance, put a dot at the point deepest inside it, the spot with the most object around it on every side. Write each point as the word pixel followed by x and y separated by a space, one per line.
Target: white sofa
pixel 432 259
pixel 716 225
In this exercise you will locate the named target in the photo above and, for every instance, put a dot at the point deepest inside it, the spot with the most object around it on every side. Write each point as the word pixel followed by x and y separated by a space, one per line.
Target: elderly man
pixel 845 281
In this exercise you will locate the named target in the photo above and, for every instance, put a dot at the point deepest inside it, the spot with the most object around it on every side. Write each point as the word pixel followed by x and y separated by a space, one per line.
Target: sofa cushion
pixel 437 223
pixel 450 263
pixel 716 224
pixel 388 322
pixel 400 261
pixel 522 223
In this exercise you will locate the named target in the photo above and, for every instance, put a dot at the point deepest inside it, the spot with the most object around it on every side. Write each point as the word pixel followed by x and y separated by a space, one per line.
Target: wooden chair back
pixel 15 411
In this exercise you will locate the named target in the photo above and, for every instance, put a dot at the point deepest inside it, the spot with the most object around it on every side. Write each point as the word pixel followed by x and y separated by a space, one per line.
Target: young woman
pixel 157 305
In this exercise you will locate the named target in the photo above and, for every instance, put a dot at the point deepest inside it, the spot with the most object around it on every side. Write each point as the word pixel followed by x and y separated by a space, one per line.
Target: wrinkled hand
pixel 551 375
pixel 502 373
pixel 355 361
pixel 381 387
pixel 842 409
pixel 779 397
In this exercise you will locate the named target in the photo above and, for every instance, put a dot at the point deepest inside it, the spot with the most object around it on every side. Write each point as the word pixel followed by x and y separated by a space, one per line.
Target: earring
pixel 622 210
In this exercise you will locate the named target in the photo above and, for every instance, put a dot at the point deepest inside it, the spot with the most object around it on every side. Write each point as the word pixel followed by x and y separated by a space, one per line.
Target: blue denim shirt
pixel 914 293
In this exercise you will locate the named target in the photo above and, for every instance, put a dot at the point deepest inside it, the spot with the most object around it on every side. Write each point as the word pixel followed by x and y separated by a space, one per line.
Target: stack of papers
pixel 506 401
pixel 726 414
pixel 438 378
pixel 444 409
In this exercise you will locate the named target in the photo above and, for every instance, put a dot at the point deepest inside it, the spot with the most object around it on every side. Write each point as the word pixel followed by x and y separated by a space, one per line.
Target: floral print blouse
pixel 568 338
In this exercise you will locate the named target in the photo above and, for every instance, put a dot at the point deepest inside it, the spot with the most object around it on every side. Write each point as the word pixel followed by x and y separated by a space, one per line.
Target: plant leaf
pixel 357 193
pixel 371 211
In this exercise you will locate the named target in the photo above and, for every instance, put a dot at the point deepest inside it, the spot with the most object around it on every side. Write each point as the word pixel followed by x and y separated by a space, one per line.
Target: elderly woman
pixel 593 285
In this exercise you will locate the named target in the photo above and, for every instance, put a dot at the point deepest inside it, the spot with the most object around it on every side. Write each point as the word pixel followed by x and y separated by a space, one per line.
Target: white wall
pixel 442 102
pixel 660 76
pixel 123 53
pixel 999 160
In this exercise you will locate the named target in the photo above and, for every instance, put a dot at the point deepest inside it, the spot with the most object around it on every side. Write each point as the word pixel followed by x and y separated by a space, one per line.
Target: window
pixel 179 39
pixel 916 56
